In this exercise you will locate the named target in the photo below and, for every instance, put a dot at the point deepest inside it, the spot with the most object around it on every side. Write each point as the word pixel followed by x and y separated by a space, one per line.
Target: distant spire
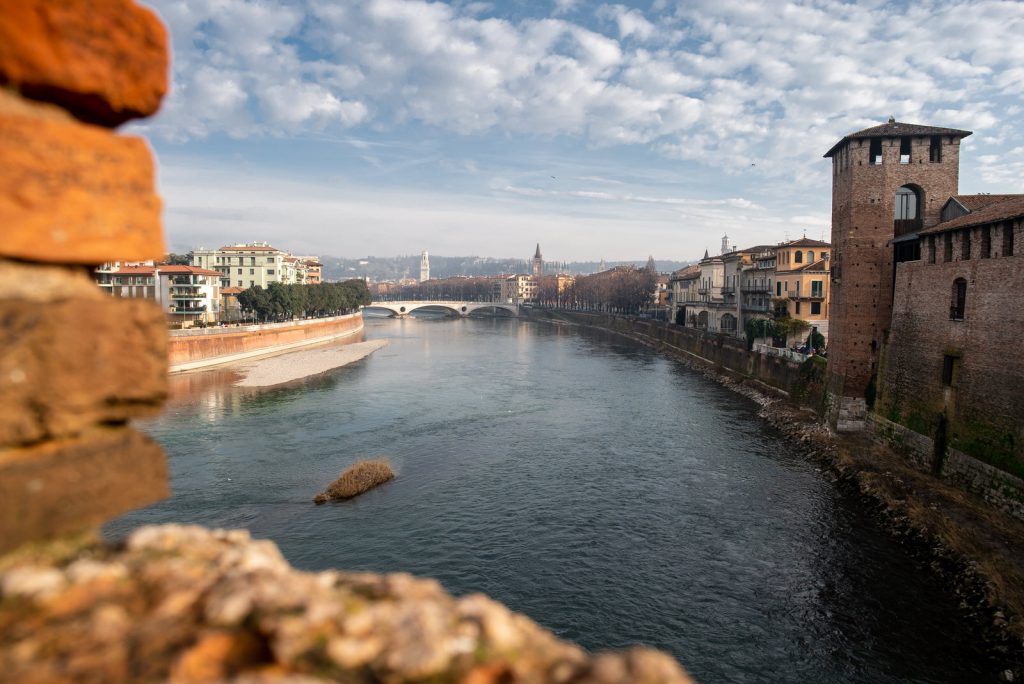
pixel 536 255
pixel 705 254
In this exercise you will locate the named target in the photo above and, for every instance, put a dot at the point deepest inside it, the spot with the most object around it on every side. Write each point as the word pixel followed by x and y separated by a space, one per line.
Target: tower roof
pixel 894 129
pixel 536 255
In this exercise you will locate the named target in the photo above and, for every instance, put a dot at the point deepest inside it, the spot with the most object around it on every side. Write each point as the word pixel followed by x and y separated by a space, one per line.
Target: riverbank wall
pixel 802 383
pixel 195 349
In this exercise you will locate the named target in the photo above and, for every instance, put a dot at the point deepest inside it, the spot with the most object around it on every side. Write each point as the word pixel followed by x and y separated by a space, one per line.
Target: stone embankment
pixel 977 549
pixel 187 604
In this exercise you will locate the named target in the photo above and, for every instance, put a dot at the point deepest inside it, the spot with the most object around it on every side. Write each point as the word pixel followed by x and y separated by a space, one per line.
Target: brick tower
pixel 889 182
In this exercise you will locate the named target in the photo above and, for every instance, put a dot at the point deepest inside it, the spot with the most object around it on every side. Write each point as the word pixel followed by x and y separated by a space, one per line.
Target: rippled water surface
pixel 610 494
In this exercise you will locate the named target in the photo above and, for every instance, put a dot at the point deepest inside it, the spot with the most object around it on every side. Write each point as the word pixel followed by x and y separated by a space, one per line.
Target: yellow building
pixel 802 282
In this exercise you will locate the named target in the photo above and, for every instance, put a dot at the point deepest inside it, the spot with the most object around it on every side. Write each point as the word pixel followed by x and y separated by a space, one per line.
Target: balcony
pixel 188 295
pixel 755 289
pixel 185 309
pixel 757 307
pixel 703 290
pixel 804 297
pixel 728 289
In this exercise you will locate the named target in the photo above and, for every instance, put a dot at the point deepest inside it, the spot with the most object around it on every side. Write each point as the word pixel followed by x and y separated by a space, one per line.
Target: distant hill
pixel 379 269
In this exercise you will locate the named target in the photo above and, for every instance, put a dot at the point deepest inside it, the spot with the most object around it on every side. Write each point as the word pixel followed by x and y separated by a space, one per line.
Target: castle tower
pixel 538 263
pixel 889 182
pixel 424 267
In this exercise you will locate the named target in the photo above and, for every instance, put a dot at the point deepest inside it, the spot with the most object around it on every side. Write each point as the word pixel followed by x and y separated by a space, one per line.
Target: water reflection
pixel 609 493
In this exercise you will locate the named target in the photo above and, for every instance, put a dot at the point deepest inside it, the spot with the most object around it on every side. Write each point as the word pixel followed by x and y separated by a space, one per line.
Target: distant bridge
pixel 461 308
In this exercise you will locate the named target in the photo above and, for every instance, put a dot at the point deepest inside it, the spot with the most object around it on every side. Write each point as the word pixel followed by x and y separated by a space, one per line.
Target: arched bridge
pixel 461 308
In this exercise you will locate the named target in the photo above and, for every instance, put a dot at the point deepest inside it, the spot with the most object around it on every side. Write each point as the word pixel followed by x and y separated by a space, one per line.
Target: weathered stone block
pixel 70 364
pixel 70 485
pixel 106 62
pixel 74 193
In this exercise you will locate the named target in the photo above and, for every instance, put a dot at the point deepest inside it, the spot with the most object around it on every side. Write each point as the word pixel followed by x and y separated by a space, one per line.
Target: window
pixel 965 244
pixel 252 271
pixel 798 308
pixel 986 242
pixel 959 303
pixel 875 151
pixel 252 261
pixel 810 257
pixel 798 257
pixel 935 149
pixel 947 247
pixel 1008 239
pixel 778 289
pixel 906 204
pixel 905 150
pixel 270 271
pixel 931 249
pixel 252 283
pixel 239 283
pixel 239 271
pixel 117 280
pixel 816 288
pixel 950 370
pixel 270 260
pixel 815 308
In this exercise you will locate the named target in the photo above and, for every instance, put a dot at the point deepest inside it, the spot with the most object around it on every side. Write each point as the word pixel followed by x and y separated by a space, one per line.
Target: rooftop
pixel 983 209
pixel 895 129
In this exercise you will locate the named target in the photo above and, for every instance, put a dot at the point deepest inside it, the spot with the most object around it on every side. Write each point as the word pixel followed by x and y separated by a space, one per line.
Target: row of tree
pixel 284 302
pixel 623 289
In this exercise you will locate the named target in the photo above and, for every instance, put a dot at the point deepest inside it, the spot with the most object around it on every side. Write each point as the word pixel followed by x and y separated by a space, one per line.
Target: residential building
pixel 802 284
pixel 518 288
pixel 186 294
pixel 757 280
pixel 682 293
pixel 254 264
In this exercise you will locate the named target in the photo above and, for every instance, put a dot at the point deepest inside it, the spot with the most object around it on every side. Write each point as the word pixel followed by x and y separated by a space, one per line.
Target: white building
pixel 255 264
pixel 185 293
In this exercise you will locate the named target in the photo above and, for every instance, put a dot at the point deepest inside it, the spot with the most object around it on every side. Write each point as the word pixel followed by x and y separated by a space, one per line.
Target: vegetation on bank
pixel 360 477
pixel 284 302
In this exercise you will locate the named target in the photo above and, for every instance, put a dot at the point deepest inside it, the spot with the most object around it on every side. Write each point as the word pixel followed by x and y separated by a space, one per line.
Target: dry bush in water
pixel 360 477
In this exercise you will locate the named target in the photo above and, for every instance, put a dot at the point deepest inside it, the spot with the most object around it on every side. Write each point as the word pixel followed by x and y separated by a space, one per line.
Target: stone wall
pixel 196 347
pixel 76 366
pixel 1003 490
pixel 978 404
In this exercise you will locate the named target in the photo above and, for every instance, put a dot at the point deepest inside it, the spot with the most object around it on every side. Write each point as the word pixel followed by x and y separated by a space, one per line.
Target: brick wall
pixel 862 225
pixel 981 401
pixel 76 366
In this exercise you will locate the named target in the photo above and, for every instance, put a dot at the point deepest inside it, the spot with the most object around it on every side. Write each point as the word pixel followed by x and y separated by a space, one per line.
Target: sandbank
pixel 277 370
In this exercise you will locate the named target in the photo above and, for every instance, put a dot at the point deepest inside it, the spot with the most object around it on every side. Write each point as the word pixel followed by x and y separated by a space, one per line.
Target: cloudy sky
pixel 384 127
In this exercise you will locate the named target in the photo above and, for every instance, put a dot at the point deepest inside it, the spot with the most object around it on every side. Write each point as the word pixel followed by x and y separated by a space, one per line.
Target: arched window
pixel 799 258
pixel 959 301
pixel 906 204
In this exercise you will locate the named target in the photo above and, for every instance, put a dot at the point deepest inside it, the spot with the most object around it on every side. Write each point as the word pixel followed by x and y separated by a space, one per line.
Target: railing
pixel 814 296
pixel 763 289
pixel 756 307
pixel 703 290
pixel 728 289
pixel 198 295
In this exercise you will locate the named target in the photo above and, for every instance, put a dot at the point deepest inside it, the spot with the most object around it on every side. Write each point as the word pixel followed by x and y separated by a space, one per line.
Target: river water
pixel 614 496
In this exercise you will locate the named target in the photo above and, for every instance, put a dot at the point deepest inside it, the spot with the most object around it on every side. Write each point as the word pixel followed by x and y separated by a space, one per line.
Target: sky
pixel 388 127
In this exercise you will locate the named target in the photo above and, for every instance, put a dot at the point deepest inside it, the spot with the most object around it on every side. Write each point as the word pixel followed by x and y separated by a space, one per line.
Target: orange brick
pixel 77 194
pixel 70 364
pixel 105 61
pixel 71 485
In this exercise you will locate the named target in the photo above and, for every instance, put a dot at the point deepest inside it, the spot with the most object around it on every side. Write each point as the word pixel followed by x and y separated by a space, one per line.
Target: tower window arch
pixel 959 300
pixel 799 257
pixel 907 210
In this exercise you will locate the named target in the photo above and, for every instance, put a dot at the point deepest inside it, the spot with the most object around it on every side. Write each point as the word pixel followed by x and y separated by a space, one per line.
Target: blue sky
pixel 384 127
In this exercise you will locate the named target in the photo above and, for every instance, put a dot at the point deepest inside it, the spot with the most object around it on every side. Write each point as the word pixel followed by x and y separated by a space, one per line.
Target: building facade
pixel 187 294
pixel 255 264
pixel 889 182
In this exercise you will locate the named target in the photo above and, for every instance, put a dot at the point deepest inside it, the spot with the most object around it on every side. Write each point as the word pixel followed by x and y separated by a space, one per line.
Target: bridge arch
pixel 404 308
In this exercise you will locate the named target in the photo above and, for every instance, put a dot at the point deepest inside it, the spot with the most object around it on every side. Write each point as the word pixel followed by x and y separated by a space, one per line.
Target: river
pixel 614 496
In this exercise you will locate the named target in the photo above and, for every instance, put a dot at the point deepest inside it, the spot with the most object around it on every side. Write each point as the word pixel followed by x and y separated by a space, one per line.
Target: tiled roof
pixel 231 290
pixel 895 129
pixel 135 270
pixel 975 202
pixel 804 242
pixel 248 248
pixel 192 270
pixel 1003 207
pixel 687 273
pixel 818 265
